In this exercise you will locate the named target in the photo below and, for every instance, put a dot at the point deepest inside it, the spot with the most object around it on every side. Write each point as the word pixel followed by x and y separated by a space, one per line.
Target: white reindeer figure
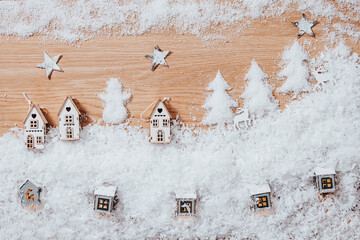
pixel 322 76
pixel 242 117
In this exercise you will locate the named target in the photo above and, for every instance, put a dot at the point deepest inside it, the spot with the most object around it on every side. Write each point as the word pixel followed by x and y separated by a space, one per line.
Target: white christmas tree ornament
pixel 158 58
pixel 258 97
pixel 219 105
pixel 50 64
pixel 305 26
pixel 114 101
pixel 295 71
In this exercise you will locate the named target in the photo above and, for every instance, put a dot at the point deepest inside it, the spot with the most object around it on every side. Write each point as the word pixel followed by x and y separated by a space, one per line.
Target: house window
pixel 165 123
pixel 69 132
pixel 69 119
pixel 29 141
pixel 262 202
pixel 155 123
pixel 326 183
pixel 160 136
pixel 33 124
pixel 103 204
pixel 38 140
pixel 186 207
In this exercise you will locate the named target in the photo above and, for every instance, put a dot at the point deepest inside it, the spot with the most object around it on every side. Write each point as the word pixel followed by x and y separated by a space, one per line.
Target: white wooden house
pixel 35 128
pixel 160 124
pixel 69 121
pixel 260 194
pixel 325 179
pixel 104 198
pixel 186 204
pixel 29 194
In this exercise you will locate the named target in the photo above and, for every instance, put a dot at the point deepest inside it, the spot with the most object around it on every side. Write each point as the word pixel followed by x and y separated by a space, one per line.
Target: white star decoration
pixel 305 26
pixel 50 64
pixel 158 57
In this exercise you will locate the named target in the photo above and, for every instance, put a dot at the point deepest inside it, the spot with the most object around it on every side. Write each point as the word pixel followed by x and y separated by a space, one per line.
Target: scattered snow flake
pixel 305 26
pixel 219 105
pixel 50 64
pixel 158 57
pixel 114 101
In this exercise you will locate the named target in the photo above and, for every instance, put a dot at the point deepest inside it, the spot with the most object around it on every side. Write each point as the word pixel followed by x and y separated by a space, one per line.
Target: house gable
pixel 68 106
pixel 160 110
pixel 35 113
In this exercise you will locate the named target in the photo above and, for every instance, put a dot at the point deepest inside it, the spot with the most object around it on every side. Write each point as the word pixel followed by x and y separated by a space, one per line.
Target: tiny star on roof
pixel 158 57
pixel 305 26
pixel 50 64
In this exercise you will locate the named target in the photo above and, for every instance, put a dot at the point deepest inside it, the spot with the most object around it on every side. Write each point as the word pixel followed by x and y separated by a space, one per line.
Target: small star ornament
pixel 158 58
pixel 50 64
pixel 305 26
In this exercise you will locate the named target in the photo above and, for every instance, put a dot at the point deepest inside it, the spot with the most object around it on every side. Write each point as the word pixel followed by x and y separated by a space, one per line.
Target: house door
pixel 69 132
pixel 30 141
pixel 160 136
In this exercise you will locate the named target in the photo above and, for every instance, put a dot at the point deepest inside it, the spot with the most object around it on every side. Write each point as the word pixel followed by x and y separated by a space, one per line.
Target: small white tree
pixel 219 105
pixel 295 70
pixel 258 97
pixel 114 101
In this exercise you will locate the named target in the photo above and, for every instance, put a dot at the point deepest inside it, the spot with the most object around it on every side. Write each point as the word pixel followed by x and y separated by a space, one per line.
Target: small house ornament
pixel 29 194
pixel 35 128
pixel 325 180
pixel 260 194
pixel 69 121
pixel 160 124
pixel 186 204
pixel 105 198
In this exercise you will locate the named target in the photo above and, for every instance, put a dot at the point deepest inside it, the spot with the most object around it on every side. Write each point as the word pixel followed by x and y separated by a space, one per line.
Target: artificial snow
pixel 219 105
pixel 258 97
pixel 114 101
pixel 295 70
pixel 71 21
pixel 282 149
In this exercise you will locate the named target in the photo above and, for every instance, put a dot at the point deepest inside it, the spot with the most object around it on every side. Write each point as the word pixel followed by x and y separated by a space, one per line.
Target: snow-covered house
pixel 260 194
pixel 186 204
pixel 160 124
pixel 29 194
pixel 69 120
pixel 325 180
pixel 104 198
pixel 35 128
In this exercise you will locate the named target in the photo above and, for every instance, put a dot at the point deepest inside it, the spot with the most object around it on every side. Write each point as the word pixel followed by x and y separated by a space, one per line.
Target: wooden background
pixel 193 64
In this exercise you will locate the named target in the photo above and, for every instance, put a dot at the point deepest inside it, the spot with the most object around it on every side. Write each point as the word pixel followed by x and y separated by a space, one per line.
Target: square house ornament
pixel 29 194
pixel 186 204
pixel 260 193
pixel 325 180
pixel 104 199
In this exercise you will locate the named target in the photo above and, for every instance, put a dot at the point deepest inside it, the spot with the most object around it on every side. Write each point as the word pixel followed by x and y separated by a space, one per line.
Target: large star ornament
pixel 158 58
pixel 305 26
pixel 50 64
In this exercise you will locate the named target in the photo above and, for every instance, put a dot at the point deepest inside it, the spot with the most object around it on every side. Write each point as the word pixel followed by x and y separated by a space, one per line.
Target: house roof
pixel 38 111
pixel 186 195
pixel 324 171
pixel 72 102
pixel 28 181
pixel 156 106
pixel 259 188
pixel 109 191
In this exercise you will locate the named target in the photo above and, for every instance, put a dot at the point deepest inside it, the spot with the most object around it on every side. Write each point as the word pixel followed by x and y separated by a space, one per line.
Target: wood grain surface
pixel 193 63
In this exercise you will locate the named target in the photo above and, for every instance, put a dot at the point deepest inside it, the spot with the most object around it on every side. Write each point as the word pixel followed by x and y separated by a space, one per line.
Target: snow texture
pixel 258 97
pixel 219 105
pixel 282 149
pixel 295 70
pixel 114 101
pixel 71 21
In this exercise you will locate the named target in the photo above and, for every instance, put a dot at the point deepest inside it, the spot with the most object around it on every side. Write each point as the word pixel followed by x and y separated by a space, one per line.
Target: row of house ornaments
pixel 69 124
pixel 105 196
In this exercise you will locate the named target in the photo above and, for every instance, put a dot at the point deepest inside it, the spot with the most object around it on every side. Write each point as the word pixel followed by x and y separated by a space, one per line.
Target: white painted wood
pixel 35 136
pixel 160 124
pixel 69 121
